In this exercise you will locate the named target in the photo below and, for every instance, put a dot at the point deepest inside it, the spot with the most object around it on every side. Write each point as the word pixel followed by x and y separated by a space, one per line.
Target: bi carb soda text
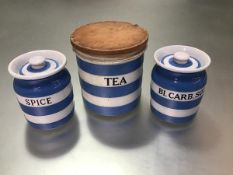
pixel 180 96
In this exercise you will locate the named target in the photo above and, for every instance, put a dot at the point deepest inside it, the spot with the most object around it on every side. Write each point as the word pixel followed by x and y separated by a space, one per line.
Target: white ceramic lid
pixel 183 59
pixel 37 64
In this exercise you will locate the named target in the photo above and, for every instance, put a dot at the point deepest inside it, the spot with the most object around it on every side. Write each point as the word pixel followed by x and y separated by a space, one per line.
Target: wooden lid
pixel 109 38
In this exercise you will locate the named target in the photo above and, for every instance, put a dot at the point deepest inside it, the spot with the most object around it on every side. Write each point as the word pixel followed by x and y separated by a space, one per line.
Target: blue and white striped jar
pixel 110 62
pixel 43 88
pixel 178 82
pixel 111 88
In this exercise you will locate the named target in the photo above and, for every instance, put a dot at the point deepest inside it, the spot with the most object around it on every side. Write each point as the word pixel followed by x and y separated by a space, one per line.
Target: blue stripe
pixel 174 104
pixel 162 60
pixel 199 64
pixel 172 62
pixel 183 82
pixel 42 111
pixel 42 87
pixel 54 124
pixel 111 111
pixel 45 67
pixel 110 69
pixel 172 120
pixel 111 91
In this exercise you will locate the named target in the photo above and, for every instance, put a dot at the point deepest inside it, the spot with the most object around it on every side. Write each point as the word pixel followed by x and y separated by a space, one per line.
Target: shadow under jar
pixel 110 61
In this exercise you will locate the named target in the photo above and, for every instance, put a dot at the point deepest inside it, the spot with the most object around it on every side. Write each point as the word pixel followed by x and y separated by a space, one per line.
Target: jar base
pixel 111 111
pixel 172 120
pixel 54 125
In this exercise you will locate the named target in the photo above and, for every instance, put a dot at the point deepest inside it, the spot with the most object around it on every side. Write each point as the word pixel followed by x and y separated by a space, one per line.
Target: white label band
pixel 110 81
pixel 46 100
pixel 176 96
pixel 111 102
pixel 173 112
pixel 52 117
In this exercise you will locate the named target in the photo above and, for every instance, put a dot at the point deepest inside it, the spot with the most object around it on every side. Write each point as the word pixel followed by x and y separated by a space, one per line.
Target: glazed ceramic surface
pixel 43 88
pixel 111 88
pixel 178 81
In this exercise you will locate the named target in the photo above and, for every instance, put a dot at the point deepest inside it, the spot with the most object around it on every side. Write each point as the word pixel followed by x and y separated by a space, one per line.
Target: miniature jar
pixel 43 88
pixel 178 83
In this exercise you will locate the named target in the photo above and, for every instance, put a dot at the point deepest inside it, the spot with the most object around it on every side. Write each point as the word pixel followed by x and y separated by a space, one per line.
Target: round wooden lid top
pixel 109 38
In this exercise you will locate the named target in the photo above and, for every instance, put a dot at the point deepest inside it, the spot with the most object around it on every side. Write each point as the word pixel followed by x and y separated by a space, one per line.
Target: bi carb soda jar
pixel 43 88
pixel 178 83
pixel 110 62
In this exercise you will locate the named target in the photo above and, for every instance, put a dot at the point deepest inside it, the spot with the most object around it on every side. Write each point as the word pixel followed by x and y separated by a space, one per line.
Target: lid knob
pixel 37 62
pixel 181 57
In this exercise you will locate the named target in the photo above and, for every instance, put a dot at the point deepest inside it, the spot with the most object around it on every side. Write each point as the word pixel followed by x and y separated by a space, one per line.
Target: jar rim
pixel 93 60
pixel 198 54
pixel 16 64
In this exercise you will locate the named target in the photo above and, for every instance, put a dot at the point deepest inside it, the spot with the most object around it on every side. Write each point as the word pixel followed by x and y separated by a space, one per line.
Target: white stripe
pixel 107 61
pixel 53 99
pixel 170 95
pixel 52 117
pixel 101 80
pixel 173 112
pixel 111 102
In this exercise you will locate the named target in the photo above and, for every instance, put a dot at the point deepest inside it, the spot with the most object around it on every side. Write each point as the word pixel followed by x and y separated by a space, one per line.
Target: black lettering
pixel 27 102
pixel 49 100
pixel 107 80
pixel 42 102
pixel 123 81
pixel 38 103
pixel 199 93
pixel 183 96
pixel 190 96
pixel 162 91
pixel 114 82
pixel 33 102
pixel 177 97
pixel 171 95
